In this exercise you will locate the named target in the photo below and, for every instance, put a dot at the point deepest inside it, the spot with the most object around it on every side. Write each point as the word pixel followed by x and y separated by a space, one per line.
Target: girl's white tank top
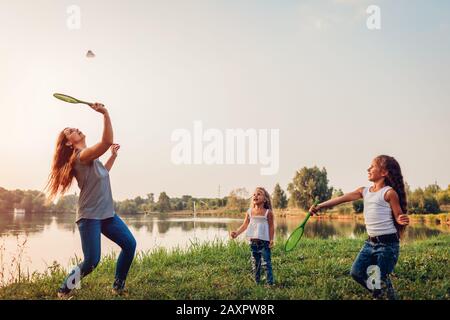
pixel 378 213
pixel 258 227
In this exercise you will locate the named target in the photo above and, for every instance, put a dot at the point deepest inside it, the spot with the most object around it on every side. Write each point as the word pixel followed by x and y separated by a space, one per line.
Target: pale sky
pixel 339 93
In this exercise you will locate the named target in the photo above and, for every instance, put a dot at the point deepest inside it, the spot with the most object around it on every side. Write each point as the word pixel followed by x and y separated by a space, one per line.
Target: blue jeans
pixel 261 256
pixel 90 232
pixel 385 257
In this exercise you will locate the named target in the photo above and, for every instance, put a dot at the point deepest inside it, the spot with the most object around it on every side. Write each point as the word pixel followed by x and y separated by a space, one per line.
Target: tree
pixel 145 207
pixel 186 198
pixel 27 203
pixel 337 193
pixel 291 202
pixel 432 189
pixel 179 205
pixel 358 206
pixel 30 200
pixel 238 199
pixel 151 198
pixel 5 205
pixel 431 205
pixel 139 201
pixel 415 201
pixel 279 199
pixel 223 202
pixel 188 202
pixel 443 197
pixel 307 185
pixel 213 203
pixel 163 202
pixel 67 203
pixel 127 207
pixel 421 201
pixel 16 197
pixel 38 202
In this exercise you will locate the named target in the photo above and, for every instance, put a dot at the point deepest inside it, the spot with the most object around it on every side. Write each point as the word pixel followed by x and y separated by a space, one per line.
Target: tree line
pixel 307 184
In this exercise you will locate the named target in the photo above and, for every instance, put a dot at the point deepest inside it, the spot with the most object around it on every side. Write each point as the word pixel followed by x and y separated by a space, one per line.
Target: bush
pixel 443 218
pixel 344 210
pixel 421 202
pixel 431 218
pixel 358 206
pixel 431 205
pixel 444 198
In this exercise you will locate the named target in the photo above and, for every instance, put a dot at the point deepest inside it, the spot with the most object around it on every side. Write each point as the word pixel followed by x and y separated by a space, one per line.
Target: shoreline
pixel 431 218
pixel 442 218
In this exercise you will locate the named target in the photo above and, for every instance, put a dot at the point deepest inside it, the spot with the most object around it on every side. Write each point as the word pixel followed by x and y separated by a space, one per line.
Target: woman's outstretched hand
pixel 115 149
pixel 99 108
pixel 233 234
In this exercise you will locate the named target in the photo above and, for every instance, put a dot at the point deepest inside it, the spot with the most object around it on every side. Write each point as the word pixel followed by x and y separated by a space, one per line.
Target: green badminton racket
pixel 297 234
pixel 70 99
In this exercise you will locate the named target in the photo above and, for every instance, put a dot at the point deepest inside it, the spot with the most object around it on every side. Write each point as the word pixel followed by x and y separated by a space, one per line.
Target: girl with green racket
pixel 95 214
pixel 385 218
pixel 259 224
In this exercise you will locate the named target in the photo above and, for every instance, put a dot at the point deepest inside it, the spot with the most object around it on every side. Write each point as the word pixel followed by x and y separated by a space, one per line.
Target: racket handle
pixel 306 218
pixel 316 202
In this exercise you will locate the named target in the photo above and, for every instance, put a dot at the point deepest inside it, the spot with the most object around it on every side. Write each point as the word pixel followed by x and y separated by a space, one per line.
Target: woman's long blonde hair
pixel 62 171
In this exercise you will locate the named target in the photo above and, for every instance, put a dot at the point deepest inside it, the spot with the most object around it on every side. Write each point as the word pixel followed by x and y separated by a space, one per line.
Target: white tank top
pixel 258 228
pixel 378 213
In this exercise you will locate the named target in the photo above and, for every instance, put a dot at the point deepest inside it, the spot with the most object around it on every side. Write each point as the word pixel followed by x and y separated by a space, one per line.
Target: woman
pixel 95 214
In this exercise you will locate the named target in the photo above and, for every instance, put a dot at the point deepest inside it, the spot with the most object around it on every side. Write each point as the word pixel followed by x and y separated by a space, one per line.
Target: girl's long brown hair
pixel 267 201
pixel 394 179
pixel 62 171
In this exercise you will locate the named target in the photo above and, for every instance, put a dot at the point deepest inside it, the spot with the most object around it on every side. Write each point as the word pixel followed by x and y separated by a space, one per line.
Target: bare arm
pixel 89 154
pixel 392 197
pixel 242 228
pixel 351 196
pixel 113 157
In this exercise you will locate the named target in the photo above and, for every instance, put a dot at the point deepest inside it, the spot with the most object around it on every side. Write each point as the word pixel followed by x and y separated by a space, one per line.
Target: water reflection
pixel 29 225
pixel 55 238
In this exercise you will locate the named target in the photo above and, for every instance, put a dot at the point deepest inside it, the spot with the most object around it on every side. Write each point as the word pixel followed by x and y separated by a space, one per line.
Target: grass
pixel 318 269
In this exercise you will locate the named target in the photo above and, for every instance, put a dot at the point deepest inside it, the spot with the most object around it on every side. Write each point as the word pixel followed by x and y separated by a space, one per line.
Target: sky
pixel 338 93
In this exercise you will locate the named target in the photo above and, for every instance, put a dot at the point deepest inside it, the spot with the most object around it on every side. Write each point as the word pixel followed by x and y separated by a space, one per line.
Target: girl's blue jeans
pixel 261 256
pixel 382 255
pixel 90 232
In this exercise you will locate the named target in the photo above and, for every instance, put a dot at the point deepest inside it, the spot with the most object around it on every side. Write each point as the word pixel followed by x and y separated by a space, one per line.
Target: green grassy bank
pixel 317 269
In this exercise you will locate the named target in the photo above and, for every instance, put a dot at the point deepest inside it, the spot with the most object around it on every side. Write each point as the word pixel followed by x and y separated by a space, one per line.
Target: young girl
pixel 385 218
pixel 95 214
pixel 260 231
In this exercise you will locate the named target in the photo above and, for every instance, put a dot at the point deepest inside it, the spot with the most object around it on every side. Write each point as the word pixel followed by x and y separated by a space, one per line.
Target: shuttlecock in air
pixel 90 54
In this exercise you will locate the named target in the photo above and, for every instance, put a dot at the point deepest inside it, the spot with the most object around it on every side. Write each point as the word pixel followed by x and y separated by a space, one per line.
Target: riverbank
pixel 317 269
pixel 432 218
